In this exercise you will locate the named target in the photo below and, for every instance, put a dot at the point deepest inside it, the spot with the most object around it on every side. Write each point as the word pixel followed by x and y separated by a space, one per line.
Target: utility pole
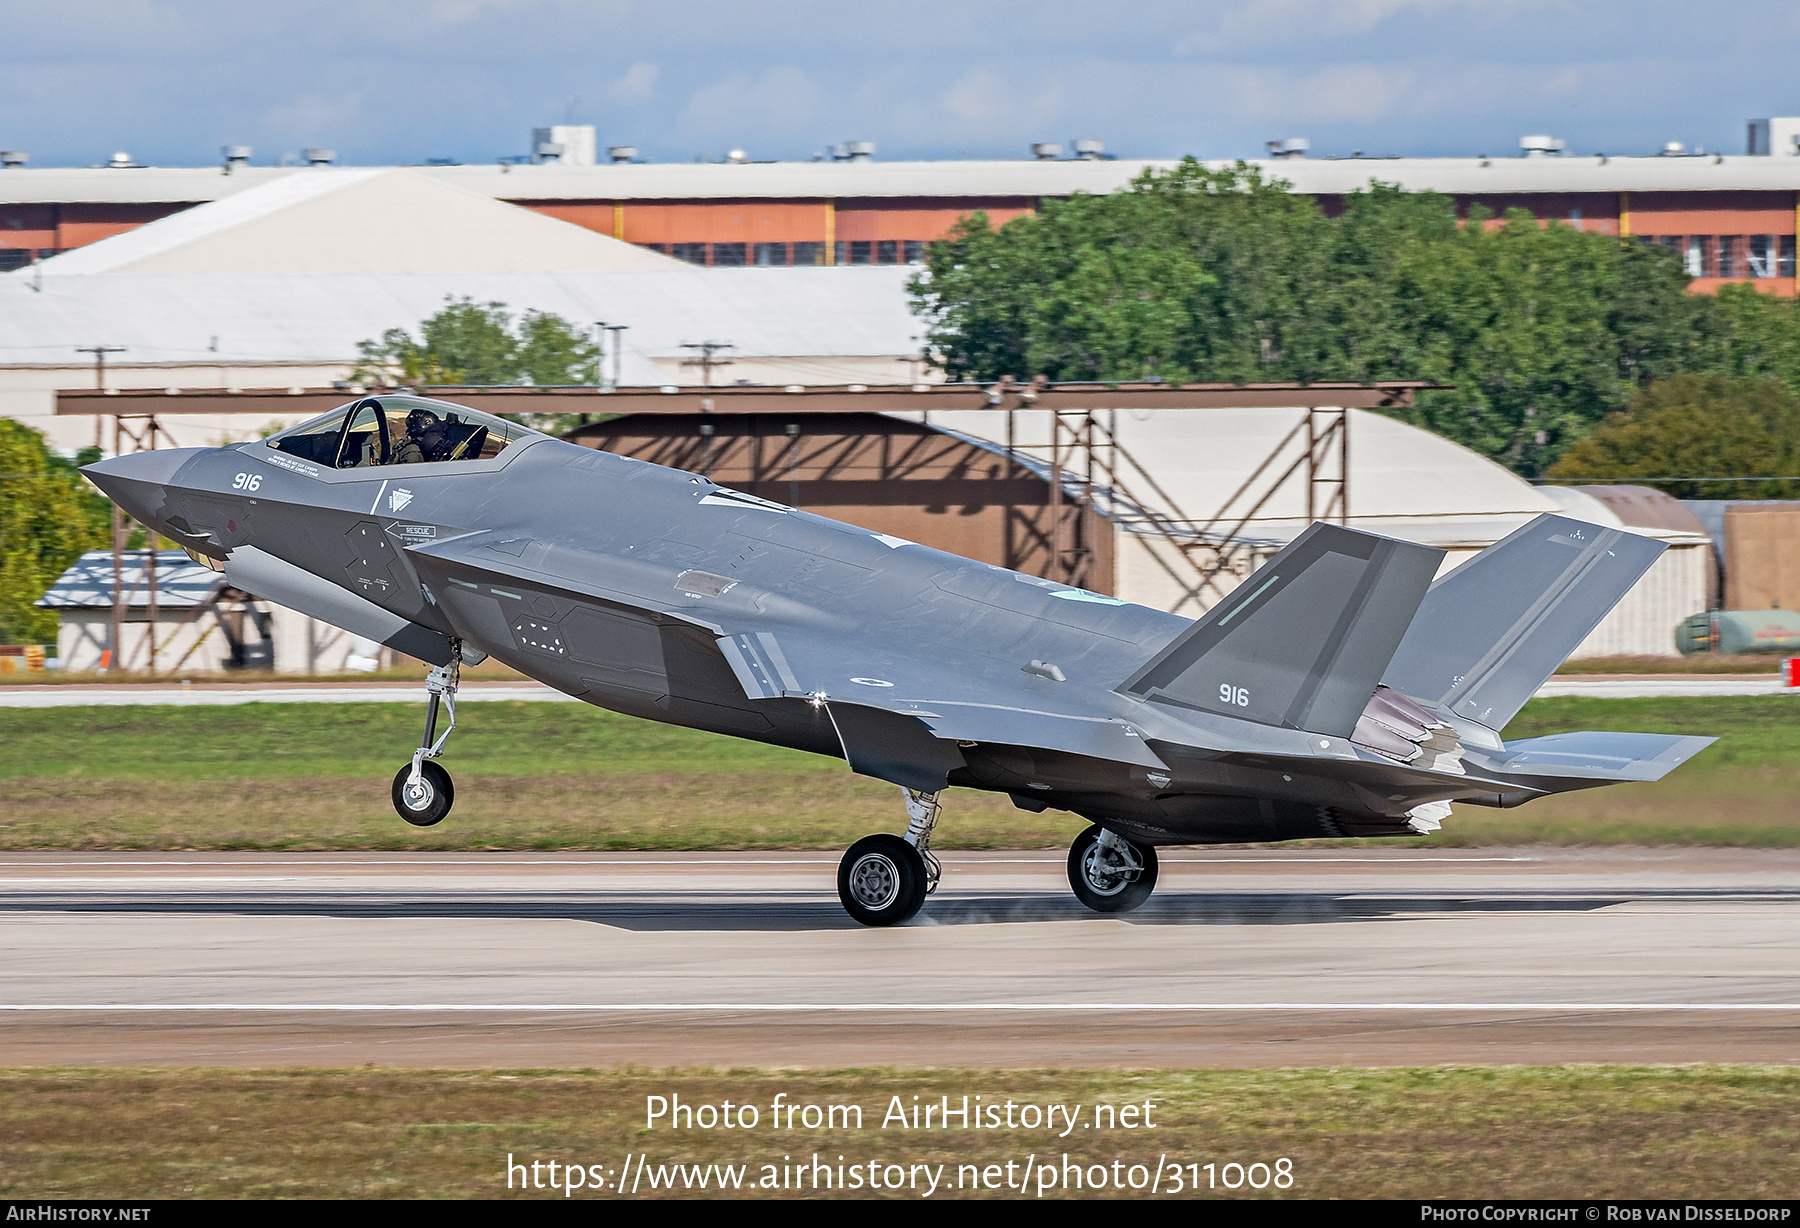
pixel 706 362
pixel 618 349
pixel 99 352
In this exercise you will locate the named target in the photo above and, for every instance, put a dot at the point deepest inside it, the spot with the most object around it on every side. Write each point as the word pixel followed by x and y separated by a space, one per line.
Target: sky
pixel 403 81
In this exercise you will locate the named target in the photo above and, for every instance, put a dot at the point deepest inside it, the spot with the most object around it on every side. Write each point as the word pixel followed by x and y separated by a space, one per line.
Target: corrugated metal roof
pixel 839 180
pixel 181 583
pixel 171 318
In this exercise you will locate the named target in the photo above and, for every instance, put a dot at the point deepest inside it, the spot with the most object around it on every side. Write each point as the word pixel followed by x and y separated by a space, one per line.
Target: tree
pixel 48 517
pixel 477 343
pixel 1217 275
pixel 1690 427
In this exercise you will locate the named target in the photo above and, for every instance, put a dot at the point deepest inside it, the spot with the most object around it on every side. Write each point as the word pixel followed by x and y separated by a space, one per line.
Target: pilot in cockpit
pixel 425 439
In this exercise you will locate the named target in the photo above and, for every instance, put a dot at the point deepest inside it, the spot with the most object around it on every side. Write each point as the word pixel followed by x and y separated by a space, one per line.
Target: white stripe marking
pixel 909 1007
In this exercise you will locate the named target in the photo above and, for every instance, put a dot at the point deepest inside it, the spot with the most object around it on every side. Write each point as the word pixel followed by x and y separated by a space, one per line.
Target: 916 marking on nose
pixel 1236 696
pixel 246 481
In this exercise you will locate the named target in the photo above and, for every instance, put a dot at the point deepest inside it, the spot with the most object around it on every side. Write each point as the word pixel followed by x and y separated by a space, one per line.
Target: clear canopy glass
pixel 399 429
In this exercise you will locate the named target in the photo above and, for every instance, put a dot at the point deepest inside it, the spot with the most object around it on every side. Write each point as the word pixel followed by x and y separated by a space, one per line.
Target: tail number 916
pixel 1236 696
pixel 246 481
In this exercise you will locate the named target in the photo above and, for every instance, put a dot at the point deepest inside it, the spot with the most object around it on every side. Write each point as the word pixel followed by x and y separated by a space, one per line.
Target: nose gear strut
pixel 423 792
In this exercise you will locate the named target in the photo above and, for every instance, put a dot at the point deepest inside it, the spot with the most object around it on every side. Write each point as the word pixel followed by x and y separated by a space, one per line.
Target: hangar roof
pixel 343 221
pixel 1405 482
pixel 838 180
pixel 181 583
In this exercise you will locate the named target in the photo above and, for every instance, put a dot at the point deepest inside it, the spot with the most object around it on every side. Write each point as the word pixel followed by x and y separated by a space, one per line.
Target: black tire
pixel 433 799
pixel 1106 887
pixel 881 880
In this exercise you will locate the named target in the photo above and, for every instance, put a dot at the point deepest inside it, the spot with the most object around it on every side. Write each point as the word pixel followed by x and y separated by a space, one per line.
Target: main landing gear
pixel 423 792
pixel 884 879
pixel 1109 873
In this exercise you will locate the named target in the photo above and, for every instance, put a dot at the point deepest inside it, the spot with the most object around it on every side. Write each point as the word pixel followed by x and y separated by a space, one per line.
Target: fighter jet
pixel 1339 691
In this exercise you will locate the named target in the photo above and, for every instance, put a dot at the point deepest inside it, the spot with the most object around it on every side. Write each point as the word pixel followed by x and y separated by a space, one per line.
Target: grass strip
pixel 569 776
pixel 1469 1132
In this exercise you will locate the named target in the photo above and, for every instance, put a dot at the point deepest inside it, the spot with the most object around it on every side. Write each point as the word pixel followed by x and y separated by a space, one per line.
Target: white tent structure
pixel 1403 482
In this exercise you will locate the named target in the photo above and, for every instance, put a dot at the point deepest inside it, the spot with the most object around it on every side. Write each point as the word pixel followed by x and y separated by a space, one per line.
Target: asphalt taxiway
pixel 1361 957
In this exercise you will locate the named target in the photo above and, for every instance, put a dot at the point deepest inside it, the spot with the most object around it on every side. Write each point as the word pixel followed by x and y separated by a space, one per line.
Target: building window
pixel 1699 256
pixel 693 253
pixel 770 253
pixel 658 247
pixel 862 251
pixel 1784 263
pixel 915 251
pixel 887 251
pixel 14 258
pixel 1762 255
pixel 730 255
pixel 838 255
pixel 1731 256
pixel 809 253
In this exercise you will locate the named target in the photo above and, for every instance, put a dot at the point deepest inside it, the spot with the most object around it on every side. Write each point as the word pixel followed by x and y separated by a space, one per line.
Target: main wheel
pixel 428 801
pixel 881 880
pixel 1104 879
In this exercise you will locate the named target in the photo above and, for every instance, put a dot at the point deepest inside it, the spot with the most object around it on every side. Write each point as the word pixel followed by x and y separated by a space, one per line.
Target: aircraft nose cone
pixel 139 482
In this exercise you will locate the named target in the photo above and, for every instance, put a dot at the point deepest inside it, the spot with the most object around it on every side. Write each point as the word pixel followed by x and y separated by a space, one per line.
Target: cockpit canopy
pixel 399 429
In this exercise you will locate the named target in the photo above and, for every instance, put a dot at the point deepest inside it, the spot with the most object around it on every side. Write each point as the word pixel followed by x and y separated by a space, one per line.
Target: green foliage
pixel 1216 275
pixel 48 517
pixel 478 343
pixel 1697 426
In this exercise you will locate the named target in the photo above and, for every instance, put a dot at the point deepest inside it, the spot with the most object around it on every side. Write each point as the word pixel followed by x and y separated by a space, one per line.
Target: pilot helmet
pixel 419 421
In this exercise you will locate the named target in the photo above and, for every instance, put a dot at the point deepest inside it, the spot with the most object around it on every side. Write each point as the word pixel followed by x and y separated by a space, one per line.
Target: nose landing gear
pixel 423 792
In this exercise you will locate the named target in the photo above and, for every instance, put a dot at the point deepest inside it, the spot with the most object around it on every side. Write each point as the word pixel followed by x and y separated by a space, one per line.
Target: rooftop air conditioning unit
pixel 622 153
pixel 737 157
pixel 14 157
pixel 1043 151
pixel 235 155
pixel 546 151
pixel 854 151
pixel 320 157
pixel 1293 147
pixel 1540 146
pixel 1090 151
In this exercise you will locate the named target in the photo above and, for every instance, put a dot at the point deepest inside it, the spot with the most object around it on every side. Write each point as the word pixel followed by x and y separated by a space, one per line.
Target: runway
pixel 1243 958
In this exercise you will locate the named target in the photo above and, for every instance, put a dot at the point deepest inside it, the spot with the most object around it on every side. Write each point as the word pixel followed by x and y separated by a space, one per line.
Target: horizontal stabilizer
pixel 1488 634
pixel 1303 641
pixel 1595 755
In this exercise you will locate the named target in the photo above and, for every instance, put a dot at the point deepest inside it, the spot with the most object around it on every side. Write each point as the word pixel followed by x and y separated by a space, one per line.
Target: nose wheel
pixel 425 801
pixel 1109 873
pixel 423 792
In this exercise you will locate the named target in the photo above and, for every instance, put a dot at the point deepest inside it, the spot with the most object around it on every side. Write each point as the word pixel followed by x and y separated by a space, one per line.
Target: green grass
pixel 1469 1133
pixel 558 775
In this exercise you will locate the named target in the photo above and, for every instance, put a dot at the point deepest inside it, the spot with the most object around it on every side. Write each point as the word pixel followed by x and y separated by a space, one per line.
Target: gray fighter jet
pixel 1338 691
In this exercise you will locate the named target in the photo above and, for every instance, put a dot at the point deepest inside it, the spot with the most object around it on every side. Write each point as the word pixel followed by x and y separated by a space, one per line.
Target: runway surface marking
pixel 873 1007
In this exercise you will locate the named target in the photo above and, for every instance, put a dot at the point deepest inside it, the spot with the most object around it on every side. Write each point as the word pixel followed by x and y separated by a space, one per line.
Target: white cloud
pixel 783 104
pixel 636 86
pixel 1264 21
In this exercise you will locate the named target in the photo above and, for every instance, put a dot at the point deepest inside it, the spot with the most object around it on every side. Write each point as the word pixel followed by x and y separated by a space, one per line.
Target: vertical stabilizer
pixel 1488 634
pixel 1302 642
